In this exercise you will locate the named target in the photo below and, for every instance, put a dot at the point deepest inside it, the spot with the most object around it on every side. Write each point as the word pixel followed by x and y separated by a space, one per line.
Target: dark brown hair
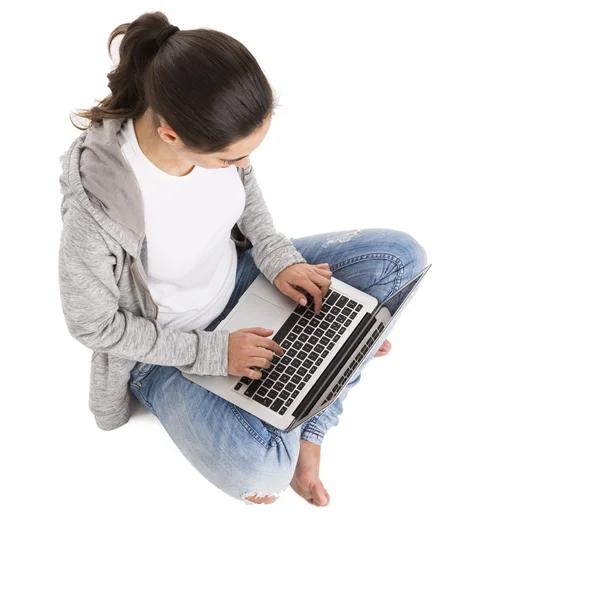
pixel 205 84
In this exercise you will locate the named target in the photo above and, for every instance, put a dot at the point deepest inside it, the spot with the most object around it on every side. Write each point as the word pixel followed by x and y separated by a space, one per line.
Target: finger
pixel 315 292
pixel 294 293
pixel 324 272
pixel 321 279
pixel 253 373
pixel 261 342
pixel 258 361
pixel 258 330
pixel 261 352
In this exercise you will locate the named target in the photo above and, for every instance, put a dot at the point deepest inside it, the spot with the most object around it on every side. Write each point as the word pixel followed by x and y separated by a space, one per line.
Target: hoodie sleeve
pixel 90 304
pixel 272 251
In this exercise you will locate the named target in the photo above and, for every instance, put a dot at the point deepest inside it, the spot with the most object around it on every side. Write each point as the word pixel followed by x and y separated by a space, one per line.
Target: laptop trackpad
pixel 255 311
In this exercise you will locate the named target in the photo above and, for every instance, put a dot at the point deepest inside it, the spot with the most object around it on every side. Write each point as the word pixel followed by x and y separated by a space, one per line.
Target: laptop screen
pixel 399 297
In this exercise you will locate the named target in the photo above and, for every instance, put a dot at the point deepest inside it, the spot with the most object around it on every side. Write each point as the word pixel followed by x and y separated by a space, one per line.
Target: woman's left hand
pixel 314 279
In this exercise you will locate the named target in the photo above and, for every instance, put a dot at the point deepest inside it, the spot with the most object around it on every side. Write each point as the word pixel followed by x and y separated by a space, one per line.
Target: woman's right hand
pixel 250 347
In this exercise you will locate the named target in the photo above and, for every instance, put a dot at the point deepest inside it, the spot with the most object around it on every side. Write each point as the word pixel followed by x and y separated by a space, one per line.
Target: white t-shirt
pixel 192 260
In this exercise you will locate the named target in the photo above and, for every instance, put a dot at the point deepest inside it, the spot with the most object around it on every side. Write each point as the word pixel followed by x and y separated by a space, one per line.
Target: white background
pixel 465 464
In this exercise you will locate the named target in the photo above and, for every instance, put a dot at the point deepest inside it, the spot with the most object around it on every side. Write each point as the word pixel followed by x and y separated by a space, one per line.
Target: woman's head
pixel 203 90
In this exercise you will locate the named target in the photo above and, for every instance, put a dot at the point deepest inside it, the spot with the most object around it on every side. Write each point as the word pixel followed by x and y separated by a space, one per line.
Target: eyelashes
pixel 227 162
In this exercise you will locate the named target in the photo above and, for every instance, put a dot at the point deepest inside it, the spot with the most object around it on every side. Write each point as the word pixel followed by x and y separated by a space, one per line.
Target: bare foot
pixel 385 348
pixel 306 482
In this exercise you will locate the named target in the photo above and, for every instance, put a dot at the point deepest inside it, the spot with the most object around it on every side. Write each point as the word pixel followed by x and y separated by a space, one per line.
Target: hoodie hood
pixel 102 182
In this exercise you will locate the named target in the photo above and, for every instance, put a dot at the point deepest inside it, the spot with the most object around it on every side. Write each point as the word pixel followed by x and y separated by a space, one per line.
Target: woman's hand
pixel 250 347
pixel 314 279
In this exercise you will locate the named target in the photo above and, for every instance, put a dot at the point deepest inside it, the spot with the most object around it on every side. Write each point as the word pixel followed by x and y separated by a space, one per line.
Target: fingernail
pixel 303 301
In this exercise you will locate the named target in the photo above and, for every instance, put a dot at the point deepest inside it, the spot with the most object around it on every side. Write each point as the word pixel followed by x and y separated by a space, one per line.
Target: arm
pixel 272 251
pixel 90 303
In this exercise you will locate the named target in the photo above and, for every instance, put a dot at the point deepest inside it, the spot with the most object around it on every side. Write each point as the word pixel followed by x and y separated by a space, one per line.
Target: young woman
pixel 159 197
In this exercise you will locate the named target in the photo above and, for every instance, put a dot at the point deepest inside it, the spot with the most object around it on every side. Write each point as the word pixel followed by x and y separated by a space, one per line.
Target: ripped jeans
pixel 236 451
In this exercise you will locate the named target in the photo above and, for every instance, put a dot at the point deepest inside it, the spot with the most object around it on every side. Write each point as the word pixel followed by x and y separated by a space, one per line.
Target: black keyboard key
pixel 308 364
pixel 352 316
pixel 336 337
pixel 277 405
pixel 303 322
pixel 297 329
pixel 302 355
pixel 358 307
pixel 332 299
pixel 291 352
pixel 285 328
pixel 278 386
pixel 291 336
pixel 313 356
pixel 299 310
pixel 259 399
pixel 341 330
pixel 285 395
pixel 246 380
pixel 283 410
pixel 319 348
pixel 313 340
pixel 272 394
pixel 334 311
pixel 351 303
pixel 307 347
pixel 348 321
pixel 274 375
pixel 301 385
pixel 296 379
pixel 295 393
pixel 325 353
pixel 256 383
pixel 297 344
pixel 238 385
pixel 319 332
pixel 312 369
pixel 302 338
pixel 314 322
pixel 290 370
pixel 306 377
pixel 342 301
pixel 284 378
pixel 309 330
pixel 296 363
pixel 329 318
pixel 346 311
pixel 318 361
pixel 290 387
pixel 286 344
pixel 335 326
pixel 279 368
pixel 329 333
pixel 302 371
pixel 269 383
pixel 289 402
pixel 286 360
pixel 330 346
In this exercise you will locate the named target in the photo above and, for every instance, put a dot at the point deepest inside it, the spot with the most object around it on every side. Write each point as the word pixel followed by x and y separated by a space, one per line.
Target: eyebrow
pixel 234 159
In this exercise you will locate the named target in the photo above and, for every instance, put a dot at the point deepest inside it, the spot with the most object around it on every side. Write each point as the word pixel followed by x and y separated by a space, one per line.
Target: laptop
pixel 321 351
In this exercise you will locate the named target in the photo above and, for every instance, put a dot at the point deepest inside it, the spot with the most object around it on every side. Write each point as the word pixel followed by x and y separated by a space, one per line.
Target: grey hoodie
pixel 102 269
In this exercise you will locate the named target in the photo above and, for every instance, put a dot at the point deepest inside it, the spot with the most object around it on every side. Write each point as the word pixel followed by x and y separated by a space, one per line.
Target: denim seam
pixel 248 427
pixel 314 431
pixel 373 255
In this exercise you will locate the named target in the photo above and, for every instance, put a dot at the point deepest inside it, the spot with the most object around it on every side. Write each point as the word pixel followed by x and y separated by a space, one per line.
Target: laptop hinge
pixel 331 372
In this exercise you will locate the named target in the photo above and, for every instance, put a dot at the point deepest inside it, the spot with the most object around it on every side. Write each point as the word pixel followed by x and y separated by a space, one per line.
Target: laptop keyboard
pixel 306 339
pixel 352 366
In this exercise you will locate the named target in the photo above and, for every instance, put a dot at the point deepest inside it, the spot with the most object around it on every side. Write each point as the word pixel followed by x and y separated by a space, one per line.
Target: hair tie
pixel 166 33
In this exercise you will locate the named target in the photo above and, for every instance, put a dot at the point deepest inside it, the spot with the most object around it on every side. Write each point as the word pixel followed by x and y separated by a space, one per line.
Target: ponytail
pixel 205 84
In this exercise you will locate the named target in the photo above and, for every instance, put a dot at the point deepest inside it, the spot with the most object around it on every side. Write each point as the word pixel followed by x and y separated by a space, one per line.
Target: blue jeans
pixel 236 451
